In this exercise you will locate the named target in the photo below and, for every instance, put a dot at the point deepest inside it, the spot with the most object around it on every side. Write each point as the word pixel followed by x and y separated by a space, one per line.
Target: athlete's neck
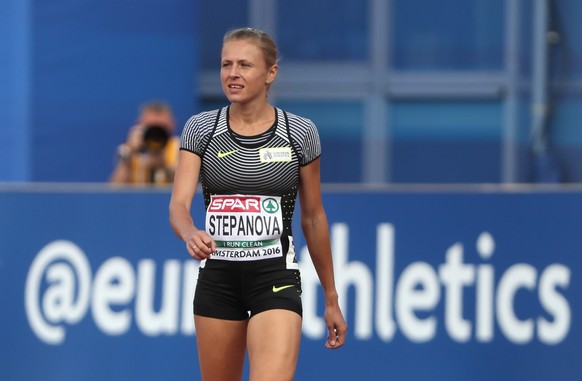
pixel 251 121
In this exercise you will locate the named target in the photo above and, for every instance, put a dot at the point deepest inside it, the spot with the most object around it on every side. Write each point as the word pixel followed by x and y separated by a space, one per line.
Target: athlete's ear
pixel 272 74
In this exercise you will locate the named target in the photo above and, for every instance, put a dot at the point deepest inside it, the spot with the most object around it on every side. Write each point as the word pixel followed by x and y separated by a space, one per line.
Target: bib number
pixel 245 228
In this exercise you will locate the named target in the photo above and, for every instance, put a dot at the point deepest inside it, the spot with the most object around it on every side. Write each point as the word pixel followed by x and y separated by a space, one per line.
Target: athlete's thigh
pixel 221 348
pixel 273 338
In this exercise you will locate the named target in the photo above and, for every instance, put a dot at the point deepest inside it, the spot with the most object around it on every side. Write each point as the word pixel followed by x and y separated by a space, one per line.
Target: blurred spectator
pixel 150 152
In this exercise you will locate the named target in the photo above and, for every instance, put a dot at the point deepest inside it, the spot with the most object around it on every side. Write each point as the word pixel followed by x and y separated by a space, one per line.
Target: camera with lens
pixel 155 138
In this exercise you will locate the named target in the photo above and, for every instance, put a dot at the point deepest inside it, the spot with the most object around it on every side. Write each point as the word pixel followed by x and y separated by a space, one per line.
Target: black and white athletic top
pixel 250 182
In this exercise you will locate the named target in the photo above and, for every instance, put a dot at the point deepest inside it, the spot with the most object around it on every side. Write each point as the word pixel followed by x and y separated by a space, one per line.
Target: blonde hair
pixel 262 39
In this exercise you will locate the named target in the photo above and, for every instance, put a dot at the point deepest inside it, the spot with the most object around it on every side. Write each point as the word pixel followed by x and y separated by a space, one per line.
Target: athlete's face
pixel 244 74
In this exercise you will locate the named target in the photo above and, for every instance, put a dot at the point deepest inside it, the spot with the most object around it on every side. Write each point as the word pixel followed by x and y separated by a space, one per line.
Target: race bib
pixel 245 228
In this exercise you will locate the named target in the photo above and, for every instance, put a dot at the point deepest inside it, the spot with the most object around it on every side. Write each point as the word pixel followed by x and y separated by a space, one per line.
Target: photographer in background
pixel 150 153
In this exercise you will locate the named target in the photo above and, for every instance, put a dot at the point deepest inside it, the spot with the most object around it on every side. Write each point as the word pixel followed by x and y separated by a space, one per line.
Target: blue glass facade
pixel 393 84
pixel 448 35
pixel 424 98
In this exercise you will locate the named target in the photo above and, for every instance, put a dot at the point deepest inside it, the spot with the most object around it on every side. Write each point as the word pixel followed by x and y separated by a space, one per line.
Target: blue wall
pixel 15 107
pixel 464 284
pixel 462 69
pixel 73 73
pixel 76 73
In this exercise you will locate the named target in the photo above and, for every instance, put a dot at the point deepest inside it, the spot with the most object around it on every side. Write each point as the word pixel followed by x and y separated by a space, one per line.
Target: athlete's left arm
pixel 316 230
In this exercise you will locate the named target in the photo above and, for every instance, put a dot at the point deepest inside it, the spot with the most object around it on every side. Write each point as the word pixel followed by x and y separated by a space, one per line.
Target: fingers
pixel 336 338
pixel 195 252
pixel 200 245
pixel 336 327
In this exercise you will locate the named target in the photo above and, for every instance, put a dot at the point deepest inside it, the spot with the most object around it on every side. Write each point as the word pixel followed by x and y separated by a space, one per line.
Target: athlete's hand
pixel 336 326
pixel 200 245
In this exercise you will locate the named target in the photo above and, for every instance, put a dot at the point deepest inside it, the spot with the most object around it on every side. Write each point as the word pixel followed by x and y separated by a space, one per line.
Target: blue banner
pixel 459 285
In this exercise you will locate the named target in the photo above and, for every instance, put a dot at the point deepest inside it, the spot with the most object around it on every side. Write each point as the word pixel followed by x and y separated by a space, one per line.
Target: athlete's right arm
pixel 198 243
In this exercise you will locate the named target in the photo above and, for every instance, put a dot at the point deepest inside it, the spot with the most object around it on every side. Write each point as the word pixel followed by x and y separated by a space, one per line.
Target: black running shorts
pixel 238 290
